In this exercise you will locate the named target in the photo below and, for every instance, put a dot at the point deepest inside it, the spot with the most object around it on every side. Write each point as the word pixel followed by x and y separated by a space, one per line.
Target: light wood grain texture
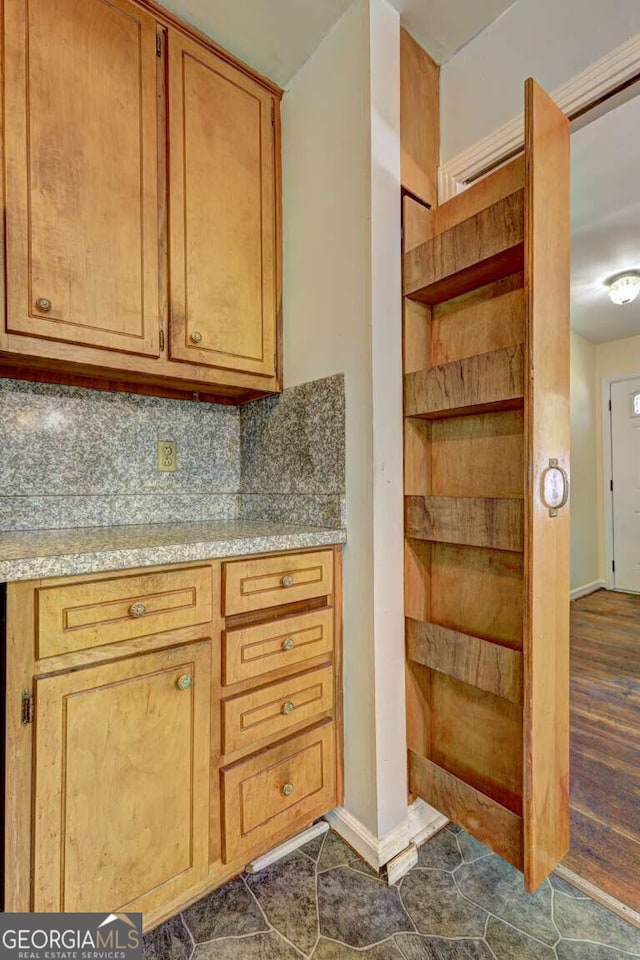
pixel 477 251
pixel 419 119
pixel 262 715
pixel 473 521
pixel 258 584
pixel 81 159
pixel 480 195
pixel 252 652
pixel 491 381
pixel 222 213
pixel 255 804
pixel 416 223
pixel 112 340
pixel 122 780
pixel 87 614
pixel 477 737
pixel 490 318
pixel 477 591
pixel 484 818
pixel 416 335
pixel 475 661
pixel 18 749
pixel 478 455
pixel 546 650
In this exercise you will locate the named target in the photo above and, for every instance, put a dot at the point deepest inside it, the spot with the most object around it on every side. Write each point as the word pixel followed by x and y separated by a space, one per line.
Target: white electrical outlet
pixel 167 456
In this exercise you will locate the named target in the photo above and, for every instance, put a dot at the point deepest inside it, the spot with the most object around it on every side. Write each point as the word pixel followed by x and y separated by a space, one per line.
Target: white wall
pixel 481 87
pixel 342 309
pixel 585 552
pixel 613 359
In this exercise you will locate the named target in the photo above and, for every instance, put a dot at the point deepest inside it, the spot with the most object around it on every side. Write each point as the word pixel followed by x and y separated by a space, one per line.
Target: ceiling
pixel 277 36
pixel 605 221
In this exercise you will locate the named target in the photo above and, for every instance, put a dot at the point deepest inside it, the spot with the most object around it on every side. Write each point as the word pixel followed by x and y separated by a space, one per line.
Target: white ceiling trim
pixel 601 78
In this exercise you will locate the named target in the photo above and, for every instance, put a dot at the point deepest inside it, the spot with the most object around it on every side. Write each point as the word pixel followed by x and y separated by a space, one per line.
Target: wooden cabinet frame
pixel 486 360
pixel 26 354
pixel 22 666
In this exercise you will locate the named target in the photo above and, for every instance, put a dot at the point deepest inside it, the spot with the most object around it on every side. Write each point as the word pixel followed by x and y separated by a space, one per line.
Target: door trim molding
pixel 599 81
pixel 607 472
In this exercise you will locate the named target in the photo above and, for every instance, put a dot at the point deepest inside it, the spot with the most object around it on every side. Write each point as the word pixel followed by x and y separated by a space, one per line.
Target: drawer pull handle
pixel 287 581
pixel 196 337
pixel 184 682
pixel 287 789
pixel 137 609
pixel 44 304
pixel 288 644
pixel 287 708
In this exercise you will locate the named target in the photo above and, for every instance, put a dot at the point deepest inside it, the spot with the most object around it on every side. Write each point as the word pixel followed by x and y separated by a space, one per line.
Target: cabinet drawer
pixel 271 711
pixel 79 616
pixel 269 794
pixel 269 581
pixel 253 651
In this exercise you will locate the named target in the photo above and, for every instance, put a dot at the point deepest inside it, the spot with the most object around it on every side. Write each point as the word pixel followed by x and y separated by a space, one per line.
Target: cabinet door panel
pixel 81 167
pixel 122 782
pixel 492 756
pixel 222 213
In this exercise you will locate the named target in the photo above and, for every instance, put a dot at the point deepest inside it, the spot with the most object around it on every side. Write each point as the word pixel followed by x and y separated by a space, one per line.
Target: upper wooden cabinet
pixel 142 204
pixel 221 213
pixel 82 169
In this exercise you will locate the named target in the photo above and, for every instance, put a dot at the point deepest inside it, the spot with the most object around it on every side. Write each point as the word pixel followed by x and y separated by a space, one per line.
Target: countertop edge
pixel 97 561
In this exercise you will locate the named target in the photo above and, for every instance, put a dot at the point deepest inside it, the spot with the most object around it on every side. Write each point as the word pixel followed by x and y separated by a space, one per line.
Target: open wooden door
pixel 486 342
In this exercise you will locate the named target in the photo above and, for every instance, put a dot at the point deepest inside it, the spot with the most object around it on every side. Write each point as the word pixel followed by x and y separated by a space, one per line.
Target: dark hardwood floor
pixel 605 743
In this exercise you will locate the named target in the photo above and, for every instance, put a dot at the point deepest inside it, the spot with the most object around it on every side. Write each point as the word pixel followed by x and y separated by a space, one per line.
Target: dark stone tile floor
pixel 461 902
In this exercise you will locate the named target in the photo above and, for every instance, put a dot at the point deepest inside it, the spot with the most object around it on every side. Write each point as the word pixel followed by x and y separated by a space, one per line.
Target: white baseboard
pixel 587 588
pixel 293 843
pixel 422 822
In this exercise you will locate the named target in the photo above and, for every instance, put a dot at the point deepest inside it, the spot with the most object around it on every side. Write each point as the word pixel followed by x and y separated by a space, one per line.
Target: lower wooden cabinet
pixel 139 775
pixel 122 781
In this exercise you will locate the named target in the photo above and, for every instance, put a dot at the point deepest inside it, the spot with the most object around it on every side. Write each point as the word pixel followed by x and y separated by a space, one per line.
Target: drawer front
pixel 269 581
pixel 270 794
pixel 79 616
pixel 253 651
pixel 271 711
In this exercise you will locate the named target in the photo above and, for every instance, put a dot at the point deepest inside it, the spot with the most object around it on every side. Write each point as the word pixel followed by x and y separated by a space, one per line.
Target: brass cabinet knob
pixel 196 337
pixel 44 304
pixel 137 609
pixel 287 581
pixel 287 708
pixel 287 789
pixel 184 682
pixel 288 644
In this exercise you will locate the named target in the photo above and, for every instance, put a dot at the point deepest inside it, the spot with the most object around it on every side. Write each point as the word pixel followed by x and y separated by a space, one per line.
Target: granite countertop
pixel 32 554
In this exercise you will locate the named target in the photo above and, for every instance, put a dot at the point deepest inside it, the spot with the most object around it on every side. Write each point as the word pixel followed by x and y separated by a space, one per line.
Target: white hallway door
pixel 625 470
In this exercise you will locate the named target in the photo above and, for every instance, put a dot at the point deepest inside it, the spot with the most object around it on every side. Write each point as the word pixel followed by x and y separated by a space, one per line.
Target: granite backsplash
pixel 76 458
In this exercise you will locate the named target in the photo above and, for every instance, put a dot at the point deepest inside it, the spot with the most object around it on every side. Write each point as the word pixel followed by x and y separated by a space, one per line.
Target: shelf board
pixel 479 384
pixel 486 819
pixel 481 249
pixel 496 522
pixel 480 663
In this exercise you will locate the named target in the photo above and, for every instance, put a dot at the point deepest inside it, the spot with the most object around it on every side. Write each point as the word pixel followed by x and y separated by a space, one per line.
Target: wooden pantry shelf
pixel 479 250
pixel 480 663
pixel 486 819
pixel 478 384
pixel 495 522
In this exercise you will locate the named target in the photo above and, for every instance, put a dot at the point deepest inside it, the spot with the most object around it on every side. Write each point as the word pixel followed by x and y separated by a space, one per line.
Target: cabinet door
pixel 81 140
pixel 121 806
pixel 486 455
pixel 222 213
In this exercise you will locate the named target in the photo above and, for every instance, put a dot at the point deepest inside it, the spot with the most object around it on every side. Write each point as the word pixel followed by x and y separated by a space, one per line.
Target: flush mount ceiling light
pixel 624 287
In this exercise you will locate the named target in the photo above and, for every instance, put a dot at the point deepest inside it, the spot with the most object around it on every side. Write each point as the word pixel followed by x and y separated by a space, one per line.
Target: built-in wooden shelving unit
pixel 475 625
